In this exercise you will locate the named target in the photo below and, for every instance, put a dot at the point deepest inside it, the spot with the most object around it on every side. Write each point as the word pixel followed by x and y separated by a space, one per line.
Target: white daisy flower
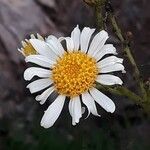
pixel 73 72
pixel 27 49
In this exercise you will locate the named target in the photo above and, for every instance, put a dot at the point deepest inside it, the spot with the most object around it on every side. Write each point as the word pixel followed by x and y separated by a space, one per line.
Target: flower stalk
pixel 98 14
pixel 128 53
pixel 122 91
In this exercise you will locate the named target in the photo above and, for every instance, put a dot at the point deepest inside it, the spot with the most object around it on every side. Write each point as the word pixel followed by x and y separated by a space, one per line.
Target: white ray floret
pixel 36 71
pixel 40 60
pixel 88 100
pixel 53 112
pixel 43 49
pixel 69 43
pixel 43 97
pixel 104 101
pixel 75 36
pixel 98 42
pixel 106 49
pixel 75 109
pixel 85 38
pixel 108 79
pixel 55 45
pixel 39 85
pixel 112 68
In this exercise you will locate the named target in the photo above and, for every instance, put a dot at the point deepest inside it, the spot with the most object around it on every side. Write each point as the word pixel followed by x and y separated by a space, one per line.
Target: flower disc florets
pixel 74 73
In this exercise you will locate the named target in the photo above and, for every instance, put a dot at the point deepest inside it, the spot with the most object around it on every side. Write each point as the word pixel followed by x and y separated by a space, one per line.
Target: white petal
pixel 112 68
pixel 88 100
pixel 106 49
pixel 109 61
pixel 75 109
pixel 53 112
pixel 69 43
pixel 40 60
pixel 35 71
pixel 40 37
pixel 24 44
pixel 55 45
pixel 85 38
pixel 42 48
pixel 71 108
pixel 21 51
pixel 103 100
pixel 43 97
pixel 108 79
pixel 75 36
pixel 32 36
pixel 97 43
pixel 39 85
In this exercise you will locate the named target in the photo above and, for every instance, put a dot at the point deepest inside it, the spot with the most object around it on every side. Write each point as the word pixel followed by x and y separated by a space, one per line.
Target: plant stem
pixel 98 14
pixel 137 73
pixel 120 90
pixel 116 28
pixel 129 55
pixel 123 91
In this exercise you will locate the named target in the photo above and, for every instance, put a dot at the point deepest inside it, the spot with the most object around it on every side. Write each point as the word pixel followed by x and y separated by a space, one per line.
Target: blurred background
pixel 127 129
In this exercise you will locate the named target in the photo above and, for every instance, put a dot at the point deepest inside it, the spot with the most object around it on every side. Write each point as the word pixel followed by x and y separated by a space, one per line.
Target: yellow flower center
pixel 74 73
pixel 29 50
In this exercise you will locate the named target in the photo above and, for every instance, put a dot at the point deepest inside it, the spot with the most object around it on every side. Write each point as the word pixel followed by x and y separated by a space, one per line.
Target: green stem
pixel 98 14
pixel 123 91
pixel 116 28
pixel 129 55
pixel 137 73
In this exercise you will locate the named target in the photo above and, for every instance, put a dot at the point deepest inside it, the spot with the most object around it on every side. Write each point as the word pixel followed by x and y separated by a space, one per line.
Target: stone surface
pixel 48 3
pixel 19 18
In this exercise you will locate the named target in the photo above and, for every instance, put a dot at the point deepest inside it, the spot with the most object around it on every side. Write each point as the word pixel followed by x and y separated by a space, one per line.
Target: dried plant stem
pixel 129 55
